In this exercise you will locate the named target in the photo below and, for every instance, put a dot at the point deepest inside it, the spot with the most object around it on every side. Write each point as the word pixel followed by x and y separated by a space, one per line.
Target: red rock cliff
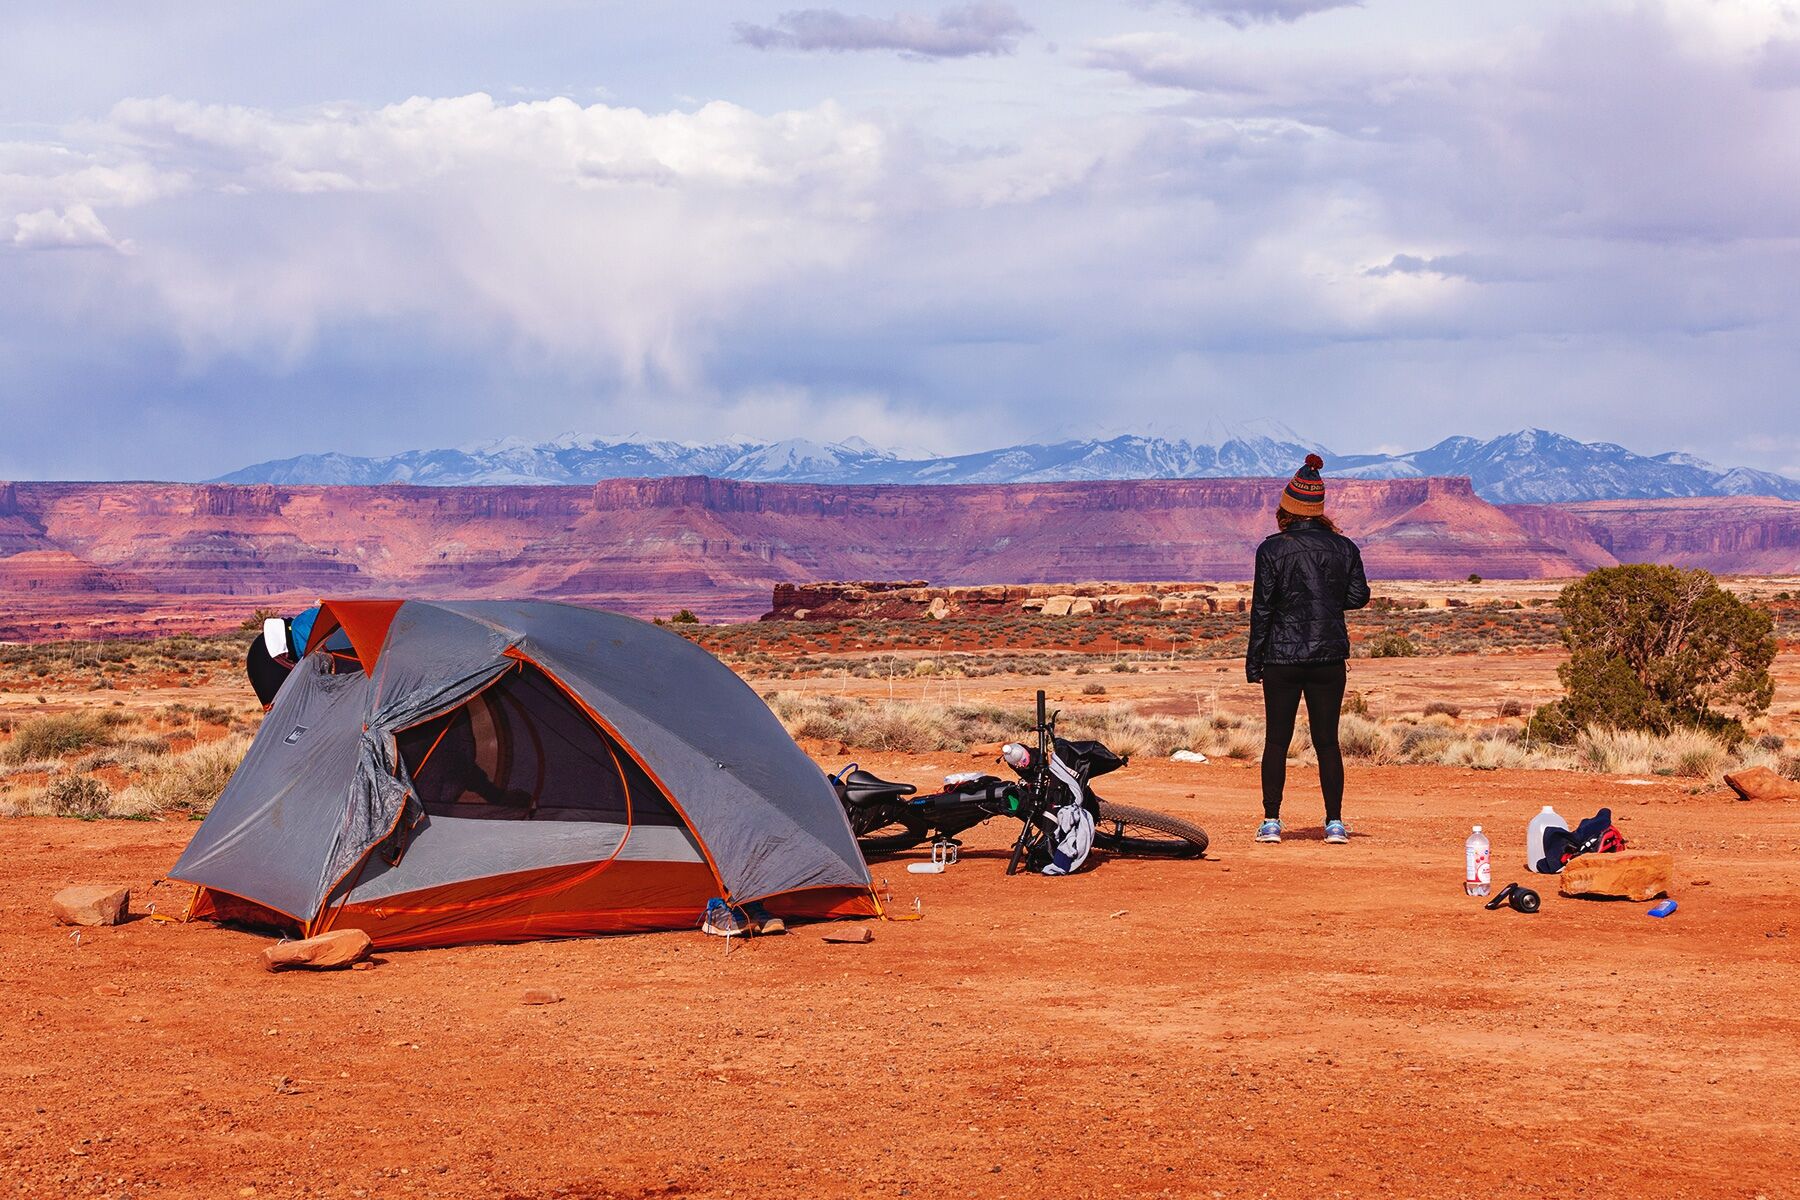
pixel 719 546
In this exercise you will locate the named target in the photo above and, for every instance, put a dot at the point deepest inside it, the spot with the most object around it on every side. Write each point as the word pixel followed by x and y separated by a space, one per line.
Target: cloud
pixel 74 228
pixel 1476 268
pixel 1243 13
pixel 1615 124
pixel 1583 223
pixel 985 27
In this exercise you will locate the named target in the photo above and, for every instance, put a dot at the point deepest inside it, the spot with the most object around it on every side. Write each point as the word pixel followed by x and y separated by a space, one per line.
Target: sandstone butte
pixel 86 559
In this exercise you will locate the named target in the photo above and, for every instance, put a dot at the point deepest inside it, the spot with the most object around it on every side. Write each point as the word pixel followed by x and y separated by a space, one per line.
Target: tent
pixel 436 773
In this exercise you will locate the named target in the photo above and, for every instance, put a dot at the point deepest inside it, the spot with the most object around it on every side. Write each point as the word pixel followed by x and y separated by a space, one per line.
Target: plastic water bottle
pixel 1475 852
pixel 1534 835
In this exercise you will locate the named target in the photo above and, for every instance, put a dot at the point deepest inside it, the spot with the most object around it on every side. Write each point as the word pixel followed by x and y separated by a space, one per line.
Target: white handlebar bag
pixel 1073 839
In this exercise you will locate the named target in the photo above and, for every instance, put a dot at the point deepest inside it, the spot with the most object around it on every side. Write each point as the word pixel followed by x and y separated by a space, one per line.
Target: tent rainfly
pixel 437 773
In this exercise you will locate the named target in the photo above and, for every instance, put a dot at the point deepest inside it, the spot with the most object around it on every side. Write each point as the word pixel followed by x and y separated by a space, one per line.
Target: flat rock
pixel 540 996
pixel 1760 783
pixel 326 952
pixel 1631 874
pixel 91 905
pixel 854 936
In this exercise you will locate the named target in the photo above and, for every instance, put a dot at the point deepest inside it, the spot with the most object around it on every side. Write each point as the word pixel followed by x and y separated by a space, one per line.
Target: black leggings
pixel 1322 683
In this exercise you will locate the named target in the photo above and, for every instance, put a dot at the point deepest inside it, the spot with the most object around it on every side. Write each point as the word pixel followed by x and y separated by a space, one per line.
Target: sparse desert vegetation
pixel 149 729
pixel 1437 739
pixel 160 737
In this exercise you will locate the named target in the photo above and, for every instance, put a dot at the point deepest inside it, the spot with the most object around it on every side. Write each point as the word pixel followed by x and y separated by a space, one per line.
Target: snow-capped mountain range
pixel 1532 466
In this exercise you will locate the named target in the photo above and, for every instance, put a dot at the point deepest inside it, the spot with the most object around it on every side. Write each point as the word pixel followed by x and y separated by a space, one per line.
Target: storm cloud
pixel 1249 12
pixel 984 27
pixel 1583 220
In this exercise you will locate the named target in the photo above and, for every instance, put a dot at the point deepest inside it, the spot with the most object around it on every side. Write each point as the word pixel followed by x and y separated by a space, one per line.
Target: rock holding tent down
pixel 1760 783
pixel 91 905
pixel 326 952
pixel 1630 874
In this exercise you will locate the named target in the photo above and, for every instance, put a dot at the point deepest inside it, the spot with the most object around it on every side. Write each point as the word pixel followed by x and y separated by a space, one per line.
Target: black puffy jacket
pixel 1306 578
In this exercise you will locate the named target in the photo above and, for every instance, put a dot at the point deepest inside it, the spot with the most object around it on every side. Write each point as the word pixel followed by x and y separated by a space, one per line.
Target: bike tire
pixel 893 834
pixel 1144 833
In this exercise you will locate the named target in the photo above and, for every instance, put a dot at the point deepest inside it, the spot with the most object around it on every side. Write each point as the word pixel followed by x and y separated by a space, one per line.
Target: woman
pixel 1307 575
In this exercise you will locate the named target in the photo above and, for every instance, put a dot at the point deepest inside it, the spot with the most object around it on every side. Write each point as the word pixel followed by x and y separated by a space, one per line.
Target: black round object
pixel 1524 900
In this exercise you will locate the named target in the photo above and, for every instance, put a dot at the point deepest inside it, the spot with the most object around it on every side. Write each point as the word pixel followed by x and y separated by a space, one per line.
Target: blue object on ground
pixel 1664 909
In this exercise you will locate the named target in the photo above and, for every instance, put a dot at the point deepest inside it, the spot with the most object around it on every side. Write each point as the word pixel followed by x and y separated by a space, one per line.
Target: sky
pixel 233 232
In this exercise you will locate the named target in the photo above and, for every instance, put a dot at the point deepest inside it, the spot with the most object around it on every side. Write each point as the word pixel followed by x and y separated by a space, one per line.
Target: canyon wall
pixel 99 558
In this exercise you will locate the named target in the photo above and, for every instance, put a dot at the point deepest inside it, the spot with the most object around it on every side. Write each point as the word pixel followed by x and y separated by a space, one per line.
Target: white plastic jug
pixel 1534 835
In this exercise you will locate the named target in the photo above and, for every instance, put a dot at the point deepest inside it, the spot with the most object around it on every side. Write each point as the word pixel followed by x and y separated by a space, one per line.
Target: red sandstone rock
pixel 1760 783
pixel 327 951
pixel 91 905
pixel 1631 874
pixel 109 559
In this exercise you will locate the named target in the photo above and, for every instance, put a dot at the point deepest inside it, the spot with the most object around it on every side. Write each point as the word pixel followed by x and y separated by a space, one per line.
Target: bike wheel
pixel 1144 833
pixel 890 836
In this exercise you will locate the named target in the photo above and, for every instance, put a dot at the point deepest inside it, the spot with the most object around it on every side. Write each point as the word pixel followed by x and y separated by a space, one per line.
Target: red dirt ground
pixel 1301 1020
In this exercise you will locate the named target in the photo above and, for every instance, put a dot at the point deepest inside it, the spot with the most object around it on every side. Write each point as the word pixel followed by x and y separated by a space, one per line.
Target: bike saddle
pixel 865 786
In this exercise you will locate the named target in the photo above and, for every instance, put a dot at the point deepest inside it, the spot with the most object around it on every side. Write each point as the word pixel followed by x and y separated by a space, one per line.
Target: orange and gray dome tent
pixel 436 773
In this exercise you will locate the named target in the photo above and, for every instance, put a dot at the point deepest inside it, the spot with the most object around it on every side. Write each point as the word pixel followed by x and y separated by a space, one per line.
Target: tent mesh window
pixel 522 751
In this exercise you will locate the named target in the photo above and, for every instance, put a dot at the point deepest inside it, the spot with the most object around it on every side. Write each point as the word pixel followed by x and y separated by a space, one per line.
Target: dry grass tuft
pixel 188 782
pixel 54 735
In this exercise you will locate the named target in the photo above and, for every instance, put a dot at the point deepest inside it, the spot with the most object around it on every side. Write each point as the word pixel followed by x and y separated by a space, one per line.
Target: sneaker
pixel 722 920
pixel 1269 831
pixel 762 920
pixel 1336 833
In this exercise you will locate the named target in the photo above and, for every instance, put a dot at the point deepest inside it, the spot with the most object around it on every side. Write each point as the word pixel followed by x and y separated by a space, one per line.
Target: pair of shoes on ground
pixel 1336 832
pixel 722 920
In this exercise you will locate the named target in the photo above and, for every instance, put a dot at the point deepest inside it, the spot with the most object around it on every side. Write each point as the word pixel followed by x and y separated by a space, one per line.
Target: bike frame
pixel 954 811
pixel 1039 792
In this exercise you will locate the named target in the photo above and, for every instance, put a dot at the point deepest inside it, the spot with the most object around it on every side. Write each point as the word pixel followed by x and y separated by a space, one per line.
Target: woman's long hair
pixel 1285 520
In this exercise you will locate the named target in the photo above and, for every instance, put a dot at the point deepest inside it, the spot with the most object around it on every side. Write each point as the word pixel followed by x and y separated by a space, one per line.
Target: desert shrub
pixel 1392 645
pixel 1241 744
pixel 80 796
pixel 188 782
pixel 53 736
pixel 1093 689
pixel 1443 708
pixel 1359 737
pixel 1474 578
pixel 1483 754
pixel 1424 743
pixel 1691 753
pixel 1552 723
pixel 254 622
pixel 684 617
pixel 1658 648
pixel 1694 755
pixel 1511 708
pixel 1770 741
pixel 1614 751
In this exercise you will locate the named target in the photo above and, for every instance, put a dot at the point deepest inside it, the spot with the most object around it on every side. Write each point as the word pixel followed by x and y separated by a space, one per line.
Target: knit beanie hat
pixel 1304 496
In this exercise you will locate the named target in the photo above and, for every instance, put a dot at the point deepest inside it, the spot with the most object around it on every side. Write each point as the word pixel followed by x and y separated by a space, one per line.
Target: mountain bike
pixel 889 816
